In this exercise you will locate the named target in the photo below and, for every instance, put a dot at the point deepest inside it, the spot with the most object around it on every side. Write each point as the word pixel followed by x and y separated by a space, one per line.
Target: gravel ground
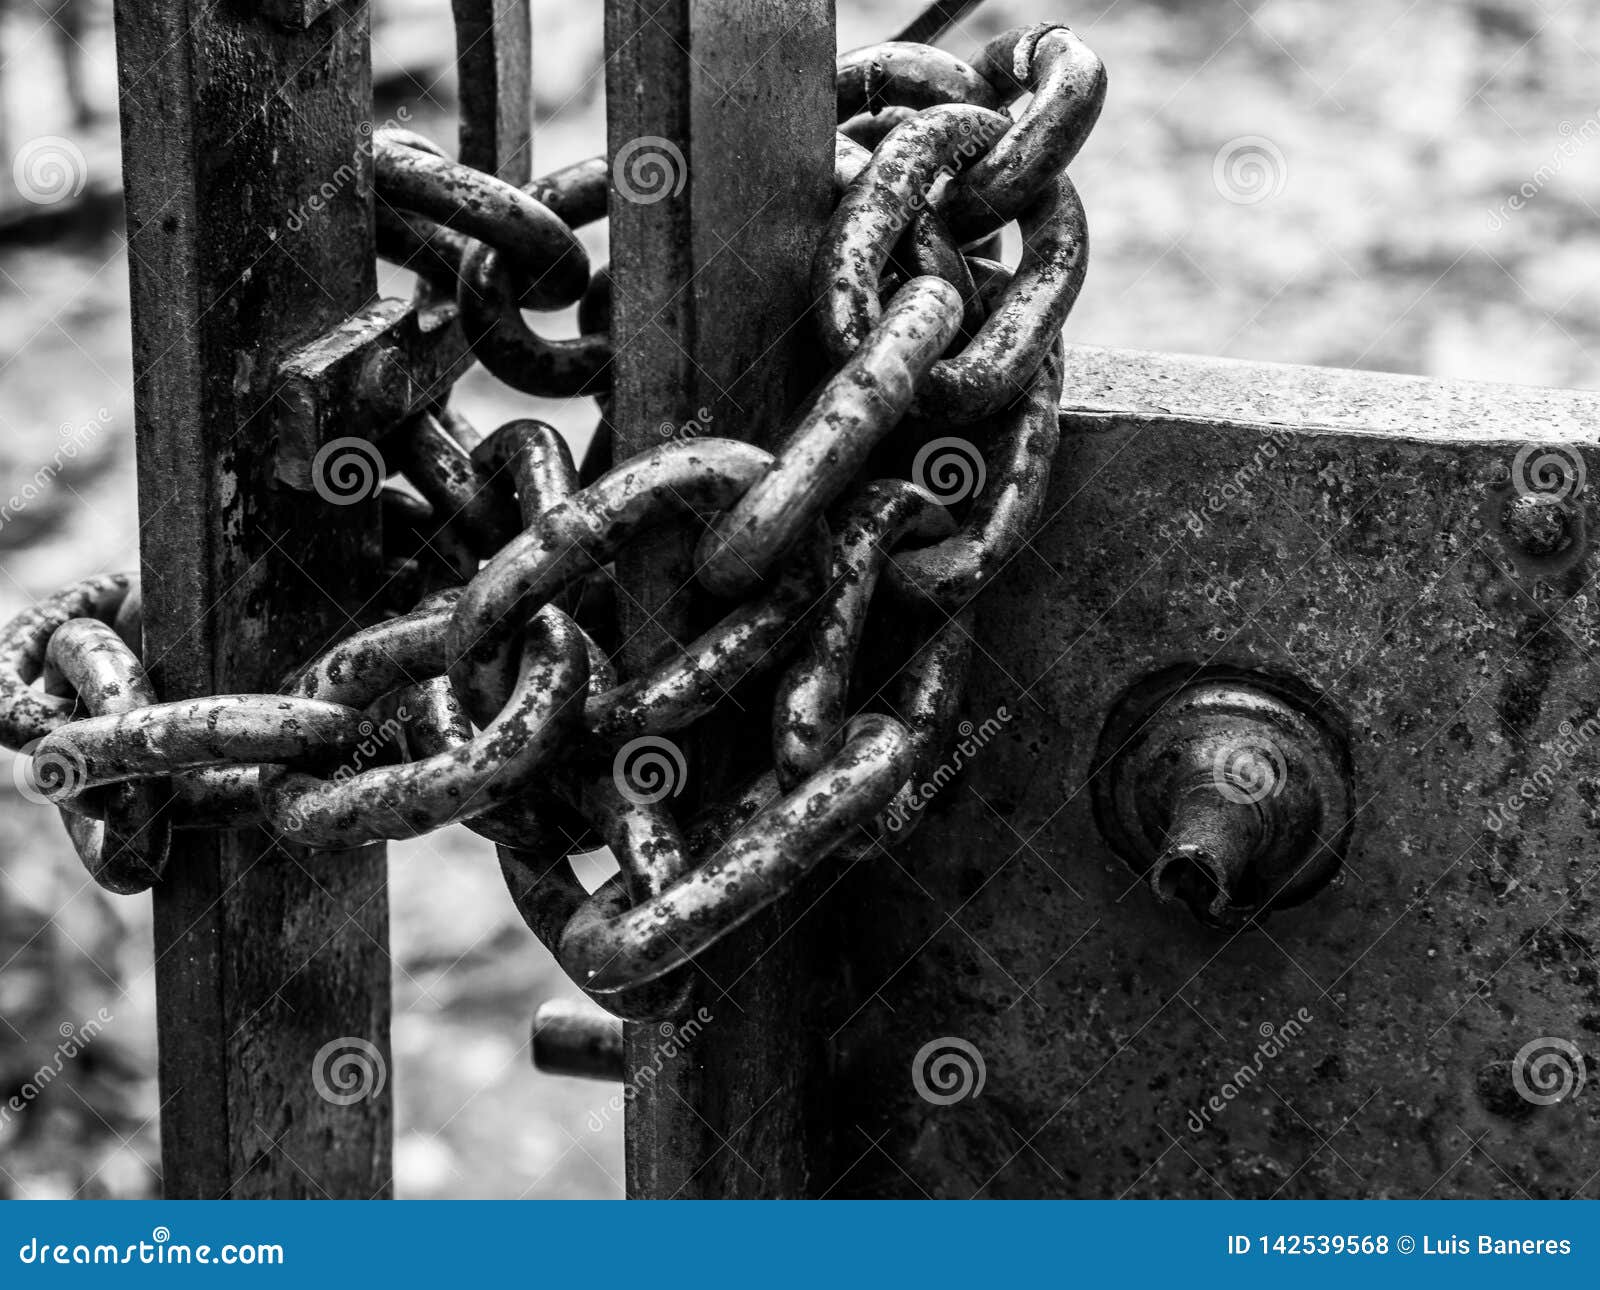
pixel 1402 186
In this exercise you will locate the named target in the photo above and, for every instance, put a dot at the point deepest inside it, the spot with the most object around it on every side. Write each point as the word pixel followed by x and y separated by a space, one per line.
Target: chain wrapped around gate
pixel 495 673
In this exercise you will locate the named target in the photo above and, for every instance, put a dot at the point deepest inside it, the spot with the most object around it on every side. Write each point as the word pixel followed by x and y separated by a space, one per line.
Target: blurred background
pixel 1404 185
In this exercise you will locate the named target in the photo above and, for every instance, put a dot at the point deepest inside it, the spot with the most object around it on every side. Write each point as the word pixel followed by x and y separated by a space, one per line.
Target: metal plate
pixel 1343 529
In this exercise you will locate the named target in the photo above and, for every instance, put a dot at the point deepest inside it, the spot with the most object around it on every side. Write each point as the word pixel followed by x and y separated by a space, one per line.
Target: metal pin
pixel 571 1039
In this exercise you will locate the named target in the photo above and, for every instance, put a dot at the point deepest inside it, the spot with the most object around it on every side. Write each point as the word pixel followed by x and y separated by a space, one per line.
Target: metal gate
pixel 1200 827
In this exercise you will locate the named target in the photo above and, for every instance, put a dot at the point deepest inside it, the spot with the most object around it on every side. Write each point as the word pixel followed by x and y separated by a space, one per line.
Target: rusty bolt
pixel 1538 524
pixel 1228 797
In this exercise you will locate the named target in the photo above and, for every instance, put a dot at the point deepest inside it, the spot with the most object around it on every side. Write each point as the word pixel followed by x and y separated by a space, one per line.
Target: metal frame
pixel 252 334
pixel 265 953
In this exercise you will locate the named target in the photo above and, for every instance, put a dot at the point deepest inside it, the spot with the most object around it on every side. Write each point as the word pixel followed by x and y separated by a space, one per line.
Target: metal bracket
pixel 368 374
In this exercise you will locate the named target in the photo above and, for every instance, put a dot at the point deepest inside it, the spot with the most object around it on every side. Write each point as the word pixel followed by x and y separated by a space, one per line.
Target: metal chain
pixel 491 701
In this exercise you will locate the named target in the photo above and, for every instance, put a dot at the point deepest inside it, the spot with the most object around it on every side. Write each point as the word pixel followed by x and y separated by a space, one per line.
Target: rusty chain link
pixel 488 697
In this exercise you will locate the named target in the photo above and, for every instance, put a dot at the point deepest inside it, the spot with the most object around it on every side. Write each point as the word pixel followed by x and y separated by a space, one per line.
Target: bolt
pixel 1538 524
pixel 1206 860
pixel 1228 798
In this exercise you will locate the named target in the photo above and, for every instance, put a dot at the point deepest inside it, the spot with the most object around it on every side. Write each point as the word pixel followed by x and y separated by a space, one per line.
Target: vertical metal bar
pixel 720 118
pixel 272 964
pixel 494 83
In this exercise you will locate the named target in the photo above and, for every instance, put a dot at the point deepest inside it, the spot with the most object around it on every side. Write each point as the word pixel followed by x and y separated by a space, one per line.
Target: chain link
pixel 488 699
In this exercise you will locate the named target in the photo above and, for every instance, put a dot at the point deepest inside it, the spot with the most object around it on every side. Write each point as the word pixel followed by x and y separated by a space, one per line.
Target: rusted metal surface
pixel 489 770
pixel 28 714
pixel 489 298
pixel 810 708
pixel 905 74
pixel 574 536
pixel 515 664
pixel 126 850
pixel 369 371
pixel 609 947
pixel 296 13
pixel 1004 485
pixel 718 235
pixel 995 367
pixel 217 730
pixel 412 175
pixel 855 410
pixel 264 953
pixel 1343 530
pixel 1068 85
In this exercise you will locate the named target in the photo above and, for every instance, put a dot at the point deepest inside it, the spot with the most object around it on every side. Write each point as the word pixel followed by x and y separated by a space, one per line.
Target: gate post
pixel 720 123
pixel 248 177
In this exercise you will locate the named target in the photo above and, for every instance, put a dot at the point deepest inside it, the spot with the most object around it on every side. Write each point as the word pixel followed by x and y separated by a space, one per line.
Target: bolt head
pixel 1538 524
